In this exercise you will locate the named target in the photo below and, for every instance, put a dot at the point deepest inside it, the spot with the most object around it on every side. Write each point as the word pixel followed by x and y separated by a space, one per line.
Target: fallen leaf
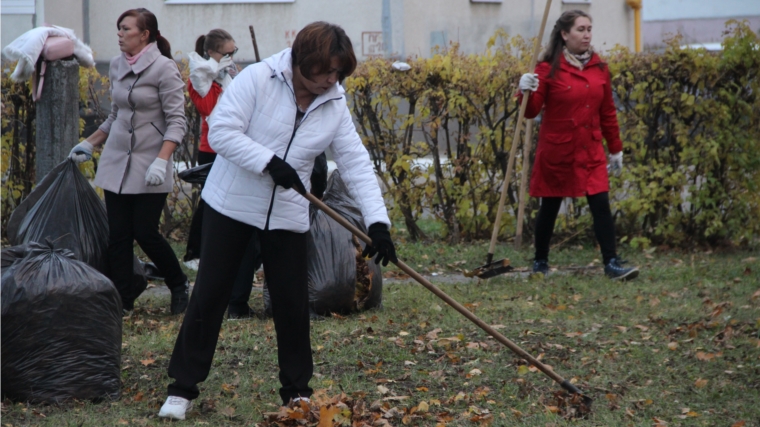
pixel 738 424
pixel 326 415
pixel 228 411
pixel 138 397
pixel 475 372
pixel 382 389
pixel 423 407
pixel 672 345
pixel 700 383
pixel 148 362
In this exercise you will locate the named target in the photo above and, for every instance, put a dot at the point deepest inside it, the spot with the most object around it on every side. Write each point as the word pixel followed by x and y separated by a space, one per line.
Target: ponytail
pixel 199 44
pixel 164 46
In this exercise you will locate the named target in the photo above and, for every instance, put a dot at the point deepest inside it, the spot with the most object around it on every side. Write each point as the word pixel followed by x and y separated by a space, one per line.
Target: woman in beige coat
pixel 146 124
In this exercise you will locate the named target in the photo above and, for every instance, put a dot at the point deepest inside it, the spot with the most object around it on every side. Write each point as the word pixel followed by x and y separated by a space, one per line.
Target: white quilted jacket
pixel 253 121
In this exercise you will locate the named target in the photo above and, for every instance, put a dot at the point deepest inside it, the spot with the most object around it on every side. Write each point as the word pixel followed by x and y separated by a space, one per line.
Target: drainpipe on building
pixel 636 6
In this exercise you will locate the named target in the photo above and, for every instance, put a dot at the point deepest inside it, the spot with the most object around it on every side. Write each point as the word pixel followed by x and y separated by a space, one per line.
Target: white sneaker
pixel 175 408
pixel 192 264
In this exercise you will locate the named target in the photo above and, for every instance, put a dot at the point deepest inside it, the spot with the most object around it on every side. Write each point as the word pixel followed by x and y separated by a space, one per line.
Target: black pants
pixel 241 291
pixel 223 243
pixel 135 217
pixel 604 226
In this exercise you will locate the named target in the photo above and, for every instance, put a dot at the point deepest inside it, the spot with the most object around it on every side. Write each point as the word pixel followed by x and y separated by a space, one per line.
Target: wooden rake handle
pixel 440 294
pixel 516 138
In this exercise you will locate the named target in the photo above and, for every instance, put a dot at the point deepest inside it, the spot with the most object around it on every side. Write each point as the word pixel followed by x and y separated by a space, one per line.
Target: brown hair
pixel 316 44
pixel 553 50
pixel 214 40
pixel 146 20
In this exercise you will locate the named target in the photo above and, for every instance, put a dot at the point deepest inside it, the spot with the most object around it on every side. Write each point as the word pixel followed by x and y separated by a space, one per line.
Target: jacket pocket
pixel 558 148
pixel 596 134
pixel 156 128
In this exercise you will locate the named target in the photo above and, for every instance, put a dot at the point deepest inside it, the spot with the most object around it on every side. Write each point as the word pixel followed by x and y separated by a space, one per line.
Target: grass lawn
pixel 679 346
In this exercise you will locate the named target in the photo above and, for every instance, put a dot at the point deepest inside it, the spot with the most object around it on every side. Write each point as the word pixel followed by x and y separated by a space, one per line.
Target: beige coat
pixel 147 108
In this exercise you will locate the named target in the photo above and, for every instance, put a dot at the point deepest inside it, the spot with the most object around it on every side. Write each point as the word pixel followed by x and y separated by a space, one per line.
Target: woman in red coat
pixel 572 86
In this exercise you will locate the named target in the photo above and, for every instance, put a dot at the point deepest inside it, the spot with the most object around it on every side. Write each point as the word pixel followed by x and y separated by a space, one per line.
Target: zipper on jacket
pixel 287 149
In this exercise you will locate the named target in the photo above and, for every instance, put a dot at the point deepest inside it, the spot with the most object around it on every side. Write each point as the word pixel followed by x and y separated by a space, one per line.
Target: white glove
pixel 616 163
pixel 225 62
pixel 81 152
pixel 223 76
pixel 156 173
pixel 529 81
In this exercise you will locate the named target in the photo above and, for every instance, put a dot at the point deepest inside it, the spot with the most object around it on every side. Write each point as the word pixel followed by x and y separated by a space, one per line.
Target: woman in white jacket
pixel 275 118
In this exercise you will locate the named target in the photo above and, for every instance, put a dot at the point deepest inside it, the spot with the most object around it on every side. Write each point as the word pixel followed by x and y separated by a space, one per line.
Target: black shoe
pixel 615 271
pixel 180 298
pixel 541 266
pixel 236 313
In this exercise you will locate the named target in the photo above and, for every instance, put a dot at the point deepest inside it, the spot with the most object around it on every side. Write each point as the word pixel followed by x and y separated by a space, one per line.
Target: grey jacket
pixel 147 108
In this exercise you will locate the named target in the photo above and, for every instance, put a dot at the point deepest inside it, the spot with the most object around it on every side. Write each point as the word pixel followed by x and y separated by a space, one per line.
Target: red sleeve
pixel 205 104
pixel 536 99
pixel 608 116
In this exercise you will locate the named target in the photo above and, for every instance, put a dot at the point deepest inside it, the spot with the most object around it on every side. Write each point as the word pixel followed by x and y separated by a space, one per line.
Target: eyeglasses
pixel 229 53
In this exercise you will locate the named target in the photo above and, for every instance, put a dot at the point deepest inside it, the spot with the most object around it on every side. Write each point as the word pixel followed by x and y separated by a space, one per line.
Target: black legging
pixel 135 217
pixel 604 226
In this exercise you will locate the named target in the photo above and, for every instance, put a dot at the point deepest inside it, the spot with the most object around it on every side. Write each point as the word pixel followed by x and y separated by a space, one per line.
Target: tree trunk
pixel 57 120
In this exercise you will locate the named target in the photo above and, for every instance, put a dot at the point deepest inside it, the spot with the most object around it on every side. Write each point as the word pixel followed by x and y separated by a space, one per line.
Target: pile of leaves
pixel 343 410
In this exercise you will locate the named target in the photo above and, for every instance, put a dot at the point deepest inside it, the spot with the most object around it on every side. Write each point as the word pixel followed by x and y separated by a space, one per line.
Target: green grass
pixel 681 344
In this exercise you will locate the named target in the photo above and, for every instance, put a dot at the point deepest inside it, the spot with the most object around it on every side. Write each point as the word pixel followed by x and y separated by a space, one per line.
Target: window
pixel 226 1
pixel 18 7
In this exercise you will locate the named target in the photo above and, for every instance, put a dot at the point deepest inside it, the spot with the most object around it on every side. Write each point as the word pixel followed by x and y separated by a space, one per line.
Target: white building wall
pixel 412 27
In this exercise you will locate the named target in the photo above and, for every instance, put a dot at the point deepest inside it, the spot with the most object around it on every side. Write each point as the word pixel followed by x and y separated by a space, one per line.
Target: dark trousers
pixel 223 243
pixel 241 291
pixel 135 217
pixel 604 226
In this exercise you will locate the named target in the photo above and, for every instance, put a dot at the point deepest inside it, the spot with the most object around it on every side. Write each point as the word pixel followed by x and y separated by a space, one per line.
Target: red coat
pixel 578 110
pixel 205 105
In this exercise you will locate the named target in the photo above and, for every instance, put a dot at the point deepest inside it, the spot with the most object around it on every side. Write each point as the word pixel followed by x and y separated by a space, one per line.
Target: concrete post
pixel 57 122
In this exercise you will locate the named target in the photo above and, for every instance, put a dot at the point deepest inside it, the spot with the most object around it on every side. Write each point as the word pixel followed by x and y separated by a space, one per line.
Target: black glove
pixel 382 245
pixel 284 175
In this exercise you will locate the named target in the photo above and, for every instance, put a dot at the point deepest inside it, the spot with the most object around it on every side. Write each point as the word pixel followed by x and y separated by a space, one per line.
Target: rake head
pixel 491 269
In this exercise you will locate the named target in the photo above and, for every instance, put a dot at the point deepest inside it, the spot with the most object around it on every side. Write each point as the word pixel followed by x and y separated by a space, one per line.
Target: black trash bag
pixel 65 209
pixel 61 327
pixel 196 175
pixel 340 280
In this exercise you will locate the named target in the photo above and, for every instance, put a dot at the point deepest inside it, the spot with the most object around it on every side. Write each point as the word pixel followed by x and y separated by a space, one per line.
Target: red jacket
pixel 578 110
pixel 205 105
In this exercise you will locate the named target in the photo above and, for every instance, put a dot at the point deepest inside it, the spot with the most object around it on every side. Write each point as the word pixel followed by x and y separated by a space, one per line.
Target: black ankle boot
pixel 541 266
pixel 180 298
pixel 615 271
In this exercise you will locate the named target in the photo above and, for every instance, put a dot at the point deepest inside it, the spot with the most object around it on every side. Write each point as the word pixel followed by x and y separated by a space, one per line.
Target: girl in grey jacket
pixel 146 124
